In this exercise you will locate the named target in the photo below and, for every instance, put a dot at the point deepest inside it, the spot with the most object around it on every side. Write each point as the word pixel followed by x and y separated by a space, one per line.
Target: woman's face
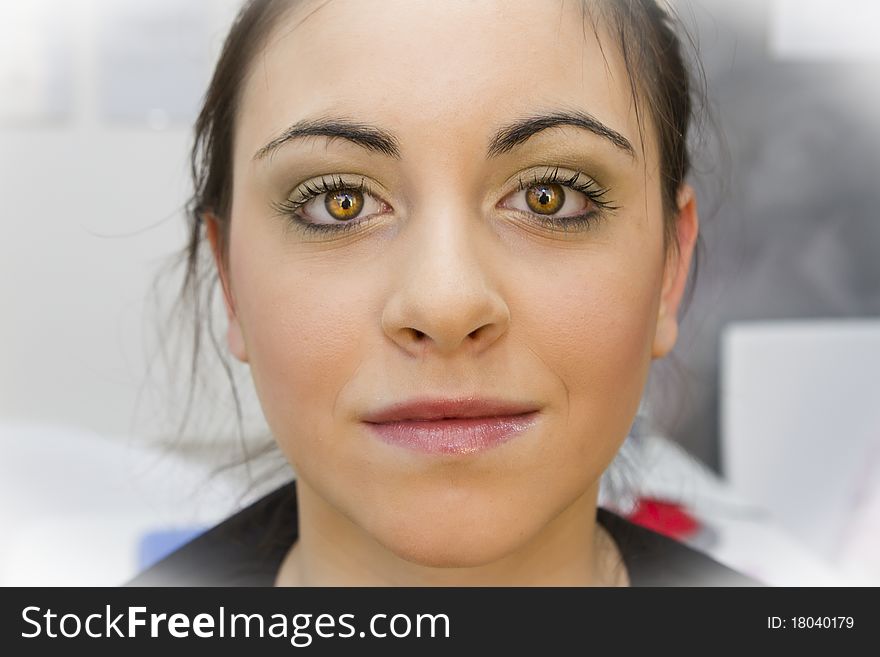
pixel 449 283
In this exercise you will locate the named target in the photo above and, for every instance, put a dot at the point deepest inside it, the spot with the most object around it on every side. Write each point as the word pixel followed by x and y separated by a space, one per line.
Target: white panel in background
pixel 800 430
pixel 75 504
pixel 824 29
pixel 154 59
pixel 35 61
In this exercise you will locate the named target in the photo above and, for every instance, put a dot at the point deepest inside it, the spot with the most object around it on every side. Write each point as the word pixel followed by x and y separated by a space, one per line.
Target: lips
pixel 445 426
pixel 447 408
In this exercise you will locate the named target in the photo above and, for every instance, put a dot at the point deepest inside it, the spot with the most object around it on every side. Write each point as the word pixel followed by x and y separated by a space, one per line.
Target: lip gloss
pixel 454 435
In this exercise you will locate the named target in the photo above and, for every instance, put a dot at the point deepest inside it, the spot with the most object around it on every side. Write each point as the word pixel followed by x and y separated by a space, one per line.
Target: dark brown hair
pixel 661 82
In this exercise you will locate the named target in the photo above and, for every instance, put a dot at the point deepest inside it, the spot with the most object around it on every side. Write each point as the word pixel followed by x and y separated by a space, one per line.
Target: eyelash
pixel 589 188
pixel 289 207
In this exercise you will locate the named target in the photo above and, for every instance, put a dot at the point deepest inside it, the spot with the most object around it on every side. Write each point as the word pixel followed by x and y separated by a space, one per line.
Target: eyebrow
pixel 521 130
pixel 378 140
pixel 372 138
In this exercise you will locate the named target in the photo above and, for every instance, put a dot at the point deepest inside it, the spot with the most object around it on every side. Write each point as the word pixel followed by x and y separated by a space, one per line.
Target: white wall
pixel 97 100
pixel 90 198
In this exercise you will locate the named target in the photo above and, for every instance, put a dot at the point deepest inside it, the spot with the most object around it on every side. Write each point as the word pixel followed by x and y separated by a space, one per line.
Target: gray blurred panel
pixel 791 222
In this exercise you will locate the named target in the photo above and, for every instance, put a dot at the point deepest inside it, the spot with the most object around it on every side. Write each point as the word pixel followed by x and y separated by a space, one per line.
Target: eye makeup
pixel 305 194
pixel 340 193
pixel 550 183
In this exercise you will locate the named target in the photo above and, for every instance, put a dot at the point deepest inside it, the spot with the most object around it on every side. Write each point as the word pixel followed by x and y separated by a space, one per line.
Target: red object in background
pixel 665 518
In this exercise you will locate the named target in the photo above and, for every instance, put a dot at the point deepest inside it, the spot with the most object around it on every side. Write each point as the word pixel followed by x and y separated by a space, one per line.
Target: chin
pixel 433 555
pixel 458 543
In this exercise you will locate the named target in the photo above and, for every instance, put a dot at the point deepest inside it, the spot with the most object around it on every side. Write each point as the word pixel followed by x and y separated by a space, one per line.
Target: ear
pixel 675 273
pixel 234 335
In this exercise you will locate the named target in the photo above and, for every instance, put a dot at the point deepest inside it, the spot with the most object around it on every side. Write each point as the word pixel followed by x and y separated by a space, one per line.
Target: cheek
pixel 598 342
pixel 303 328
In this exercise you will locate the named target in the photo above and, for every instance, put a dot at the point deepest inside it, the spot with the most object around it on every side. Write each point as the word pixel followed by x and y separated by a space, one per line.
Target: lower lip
pixel 454 436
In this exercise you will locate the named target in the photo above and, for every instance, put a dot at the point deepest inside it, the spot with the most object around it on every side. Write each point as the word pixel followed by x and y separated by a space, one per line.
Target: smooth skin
pixel 449 287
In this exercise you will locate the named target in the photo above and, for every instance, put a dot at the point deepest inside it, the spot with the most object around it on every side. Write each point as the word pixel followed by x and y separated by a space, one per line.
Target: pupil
pixel 346 203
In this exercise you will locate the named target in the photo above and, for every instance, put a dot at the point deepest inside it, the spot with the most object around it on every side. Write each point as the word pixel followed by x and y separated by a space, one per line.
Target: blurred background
pixel 759 442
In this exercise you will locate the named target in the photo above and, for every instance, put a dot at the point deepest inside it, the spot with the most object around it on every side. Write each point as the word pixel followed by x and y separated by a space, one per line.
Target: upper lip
pixel 426 408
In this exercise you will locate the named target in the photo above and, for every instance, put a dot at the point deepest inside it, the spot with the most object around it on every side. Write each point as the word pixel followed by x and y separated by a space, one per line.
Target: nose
pixel 445 297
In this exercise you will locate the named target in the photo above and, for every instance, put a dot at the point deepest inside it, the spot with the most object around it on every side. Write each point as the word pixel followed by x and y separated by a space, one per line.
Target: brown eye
pixel 344 204
pixel 545 198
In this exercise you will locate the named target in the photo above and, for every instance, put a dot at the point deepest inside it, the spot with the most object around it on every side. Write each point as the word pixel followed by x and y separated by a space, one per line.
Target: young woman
pixel 451 237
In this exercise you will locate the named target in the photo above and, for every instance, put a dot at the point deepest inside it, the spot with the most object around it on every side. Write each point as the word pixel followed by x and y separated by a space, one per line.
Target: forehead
pixel 428 69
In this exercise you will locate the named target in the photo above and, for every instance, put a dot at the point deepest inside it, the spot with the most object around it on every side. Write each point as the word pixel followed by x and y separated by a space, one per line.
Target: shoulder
pixel 246 549
pixel 653 559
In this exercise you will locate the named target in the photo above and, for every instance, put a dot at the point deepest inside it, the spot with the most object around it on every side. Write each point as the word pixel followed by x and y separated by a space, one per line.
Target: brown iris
pixel 545 198
pixel 344 204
